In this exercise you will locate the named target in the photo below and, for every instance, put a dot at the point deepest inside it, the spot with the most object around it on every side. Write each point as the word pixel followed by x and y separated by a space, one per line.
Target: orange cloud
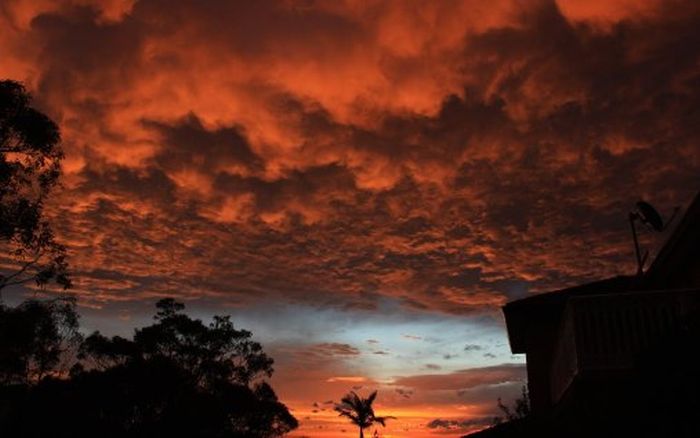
pixel 347 379
pixel 463 379
pixel 451 155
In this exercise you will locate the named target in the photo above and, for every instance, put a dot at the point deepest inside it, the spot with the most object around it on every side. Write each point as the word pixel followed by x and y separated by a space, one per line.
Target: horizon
pixel 363 185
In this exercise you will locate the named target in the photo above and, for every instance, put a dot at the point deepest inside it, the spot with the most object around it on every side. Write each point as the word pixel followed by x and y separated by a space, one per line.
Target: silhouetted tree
pixel 519 410
pixel 30 159
pixel 360 411
pixel 176 377
pixel 210 354
pixel 35 338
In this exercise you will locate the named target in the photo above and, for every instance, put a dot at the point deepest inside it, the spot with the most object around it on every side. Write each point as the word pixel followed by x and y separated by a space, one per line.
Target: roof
pixel 547 308
pixel 681 251
pixel 514 428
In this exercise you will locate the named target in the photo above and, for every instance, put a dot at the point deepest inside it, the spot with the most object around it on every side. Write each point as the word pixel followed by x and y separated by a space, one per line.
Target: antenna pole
pixel 640 262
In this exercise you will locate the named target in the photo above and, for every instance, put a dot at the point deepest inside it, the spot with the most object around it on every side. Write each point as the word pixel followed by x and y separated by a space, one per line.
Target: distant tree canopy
pixel 30 158
pixel 176 377
pixel 212 354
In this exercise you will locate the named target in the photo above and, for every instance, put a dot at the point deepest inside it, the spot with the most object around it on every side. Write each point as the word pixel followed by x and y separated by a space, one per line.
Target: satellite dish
pixel 646 214
pixel 649 216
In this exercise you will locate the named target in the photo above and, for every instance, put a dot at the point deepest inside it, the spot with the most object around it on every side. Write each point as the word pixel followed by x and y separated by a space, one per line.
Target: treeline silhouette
pixel 175 377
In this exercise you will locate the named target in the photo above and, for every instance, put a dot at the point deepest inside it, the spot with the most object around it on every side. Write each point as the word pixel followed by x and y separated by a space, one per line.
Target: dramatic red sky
pixel 360 183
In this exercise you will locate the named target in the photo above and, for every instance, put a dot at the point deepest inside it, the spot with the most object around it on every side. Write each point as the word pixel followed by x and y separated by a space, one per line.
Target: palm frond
pixel 371 398
pixel 353 418
pixel 382 420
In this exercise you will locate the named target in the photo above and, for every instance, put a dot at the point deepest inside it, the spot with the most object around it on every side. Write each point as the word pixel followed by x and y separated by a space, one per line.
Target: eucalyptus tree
pixel 30 157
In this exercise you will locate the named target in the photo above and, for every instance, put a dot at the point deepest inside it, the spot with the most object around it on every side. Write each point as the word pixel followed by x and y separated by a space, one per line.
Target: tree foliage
pixel 37 339
pixel 212 354
pixel 360 411
pixel 176 377
pixel 519 410
pixel 30 157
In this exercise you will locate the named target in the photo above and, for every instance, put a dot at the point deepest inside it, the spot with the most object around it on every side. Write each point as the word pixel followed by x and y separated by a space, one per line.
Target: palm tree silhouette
pixel 359 411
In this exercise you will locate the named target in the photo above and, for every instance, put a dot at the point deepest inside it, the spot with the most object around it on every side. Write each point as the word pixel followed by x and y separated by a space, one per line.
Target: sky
pixel 362 184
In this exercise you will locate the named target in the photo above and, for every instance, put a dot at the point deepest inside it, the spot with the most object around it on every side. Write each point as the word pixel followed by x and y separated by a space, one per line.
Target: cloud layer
pixel 450 155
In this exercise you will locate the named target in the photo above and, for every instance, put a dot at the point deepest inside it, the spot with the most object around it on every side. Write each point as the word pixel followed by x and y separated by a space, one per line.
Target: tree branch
pixel 22 270
pixel 16 282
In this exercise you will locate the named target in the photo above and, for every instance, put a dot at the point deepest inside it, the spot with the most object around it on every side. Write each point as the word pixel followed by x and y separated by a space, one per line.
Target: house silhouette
pixel 617 357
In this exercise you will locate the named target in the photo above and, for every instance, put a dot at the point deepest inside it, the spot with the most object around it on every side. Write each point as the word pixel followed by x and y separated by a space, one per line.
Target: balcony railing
pixel 607 332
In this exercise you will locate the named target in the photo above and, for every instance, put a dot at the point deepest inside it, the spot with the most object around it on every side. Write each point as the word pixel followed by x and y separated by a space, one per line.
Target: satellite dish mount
pixel 647 215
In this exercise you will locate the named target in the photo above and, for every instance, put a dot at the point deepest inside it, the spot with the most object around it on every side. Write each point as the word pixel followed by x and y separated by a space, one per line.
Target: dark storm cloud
pixel 189 142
